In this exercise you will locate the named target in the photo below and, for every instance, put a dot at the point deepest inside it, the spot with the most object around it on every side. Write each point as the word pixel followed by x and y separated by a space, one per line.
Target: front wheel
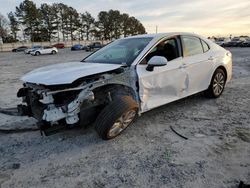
pixel 116 117
pixel 217 84
pixel 53 52
pixel 37 53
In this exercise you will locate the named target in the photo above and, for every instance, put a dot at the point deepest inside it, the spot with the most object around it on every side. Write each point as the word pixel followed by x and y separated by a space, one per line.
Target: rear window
pixel 192 46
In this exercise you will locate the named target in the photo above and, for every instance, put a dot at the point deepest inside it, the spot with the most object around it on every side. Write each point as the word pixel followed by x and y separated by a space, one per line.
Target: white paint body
pixel 44 51
pixel 181 77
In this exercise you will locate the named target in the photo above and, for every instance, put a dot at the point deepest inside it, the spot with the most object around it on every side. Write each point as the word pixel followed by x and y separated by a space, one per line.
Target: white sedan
pixel 33 48
pixel 127 77
pixel 44 50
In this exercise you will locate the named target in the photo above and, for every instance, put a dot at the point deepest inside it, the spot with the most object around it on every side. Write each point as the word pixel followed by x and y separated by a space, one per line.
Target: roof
pixel 160 35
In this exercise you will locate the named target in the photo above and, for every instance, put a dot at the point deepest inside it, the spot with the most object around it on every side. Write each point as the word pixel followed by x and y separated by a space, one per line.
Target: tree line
pixel 52 22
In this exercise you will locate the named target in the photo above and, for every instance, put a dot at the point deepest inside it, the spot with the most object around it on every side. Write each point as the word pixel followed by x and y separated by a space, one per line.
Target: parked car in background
pixel 245 44
pixel 94 46
pixel 220 41
pixel 27 51
pixel 78 47
pixel 44 50
pixel 59 45
pixel 124 79
pixel 20 49
pixel 235 42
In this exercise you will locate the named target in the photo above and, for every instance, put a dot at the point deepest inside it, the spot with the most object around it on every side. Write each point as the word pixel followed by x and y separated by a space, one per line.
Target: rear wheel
pixel 217 84
pixel 116 117
pixel 53 52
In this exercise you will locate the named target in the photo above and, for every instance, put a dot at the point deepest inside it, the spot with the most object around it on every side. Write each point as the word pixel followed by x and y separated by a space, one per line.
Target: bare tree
pixel 3 27
pixel 14 25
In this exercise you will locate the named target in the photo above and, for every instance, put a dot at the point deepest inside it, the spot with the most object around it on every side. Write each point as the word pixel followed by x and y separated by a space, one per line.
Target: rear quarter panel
pixel 222 57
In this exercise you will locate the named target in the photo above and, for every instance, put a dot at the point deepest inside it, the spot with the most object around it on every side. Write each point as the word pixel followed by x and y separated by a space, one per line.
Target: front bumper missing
pixel 41 105
pixel 70 111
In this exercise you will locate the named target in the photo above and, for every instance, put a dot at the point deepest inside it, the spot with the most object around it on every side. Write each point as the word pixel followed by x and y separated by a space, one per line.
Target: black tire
pixel 37 53
pixel 53 52
pixel 211 91
pixel 111 113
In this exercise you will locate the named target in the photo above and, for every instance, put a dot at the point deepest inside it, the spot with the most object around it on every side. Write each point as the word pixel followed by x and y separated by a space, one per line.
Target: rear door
pixel 197 63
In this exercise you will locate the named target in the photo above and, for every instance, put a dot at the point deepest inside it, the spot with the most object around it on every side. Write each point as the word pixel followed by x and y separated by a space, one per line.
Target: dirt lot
pixel 148 154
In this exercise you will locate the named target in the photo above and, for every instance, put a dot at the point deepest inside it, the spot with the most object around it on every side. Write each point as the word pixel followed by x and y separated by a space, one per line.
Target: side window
pixel 167 48
pixel 192 46
pixel 205 46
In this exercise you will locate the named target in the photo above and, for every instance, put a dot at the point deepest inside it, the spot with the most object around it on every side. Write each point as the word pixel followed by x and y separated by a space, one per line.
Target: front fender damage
pixel 43 102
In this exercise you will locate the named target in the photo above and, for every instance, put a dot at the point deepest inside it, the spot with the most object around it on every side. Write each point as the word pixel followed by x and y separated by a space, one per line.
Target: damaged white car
pixel 124 79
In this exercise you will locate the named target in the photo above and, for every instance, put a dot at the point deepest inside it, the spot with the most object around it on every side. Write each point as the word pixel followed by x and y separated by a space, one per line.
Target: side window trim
pixel 202 41
pixel 202 46
pixel 179 45
pixel 183 46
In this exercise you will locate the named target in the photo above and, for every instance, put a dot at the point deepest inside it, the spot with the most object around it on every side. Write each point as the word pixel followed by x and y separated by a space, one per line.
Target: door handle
pixel 211 58
pixel 184 65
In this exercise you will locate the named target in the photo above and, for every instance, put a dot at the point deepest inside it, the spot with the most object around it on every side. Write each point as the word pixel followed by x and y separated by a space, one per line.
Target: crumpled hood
pixel 66 73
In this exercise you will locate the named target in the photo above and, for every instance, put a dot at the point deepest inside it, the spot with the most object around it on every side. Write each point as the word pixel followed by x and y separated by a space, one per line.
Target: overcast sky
pixel 206 17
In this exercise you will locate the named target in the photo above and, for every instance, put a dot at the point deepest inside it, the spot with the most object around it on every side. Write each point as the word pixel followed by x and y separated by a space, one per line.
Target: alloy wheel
pixel 122 123
pixel 218 83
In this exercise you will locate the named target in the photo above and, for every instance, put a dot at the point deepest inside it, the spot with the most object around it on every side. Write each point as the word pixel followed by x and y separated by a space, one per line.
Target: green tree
pixel 112 25
pixel 72 17
pixel 87 25
pixel 30 17
pixel 56 20
pixel 103 25
pixel 67 18
pixel 125 27
pixel 135 27
pixel 49 22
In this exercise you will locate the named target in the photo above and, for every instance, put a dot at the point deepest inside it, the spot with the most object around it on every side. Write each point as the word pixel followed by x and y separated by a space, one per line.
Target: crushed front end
pixel 54 108
pixel 57 107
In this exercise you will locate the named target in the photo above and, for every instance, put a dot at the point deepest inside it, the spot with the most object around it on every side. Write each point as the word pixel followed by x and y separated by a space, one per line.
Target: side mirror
pixel 156 61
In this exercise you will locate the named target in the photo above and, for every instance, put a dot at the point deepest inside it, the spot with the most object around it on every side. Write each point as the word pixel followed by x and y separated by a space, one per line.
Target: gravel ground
pixel 147 154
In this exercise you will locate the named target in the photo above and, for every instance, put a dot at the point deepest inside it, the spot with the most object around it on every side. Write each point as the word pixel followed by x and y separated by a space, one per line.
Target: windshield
pixel 122 51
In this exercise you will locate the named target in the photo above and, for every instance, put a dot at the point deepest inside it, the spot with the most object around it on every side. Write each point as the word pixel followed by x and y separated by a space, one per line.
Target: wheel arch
pixel 223 69
pixel 116 90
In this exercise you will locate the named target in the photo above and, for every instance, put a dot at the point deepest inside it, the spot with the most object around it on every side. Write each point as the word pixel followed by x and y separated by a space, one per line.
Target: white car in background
pixel 127 77
pixel 44 50
pixel 33 48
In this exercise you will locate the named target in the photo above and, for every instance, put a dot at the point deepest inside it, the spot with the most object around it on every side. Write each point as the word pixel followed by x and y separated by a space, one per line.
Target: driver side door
pixel 165 83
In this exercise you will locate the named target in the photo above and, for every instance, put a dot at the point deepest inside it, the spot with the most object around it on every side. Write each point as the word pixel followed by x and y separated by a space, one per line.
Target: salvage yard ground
pixel 147 154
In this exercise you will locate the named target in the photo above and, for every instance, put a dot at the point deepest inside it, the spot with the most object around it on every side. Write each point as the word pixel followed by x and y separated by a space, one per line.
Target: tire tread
pixel 111 113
